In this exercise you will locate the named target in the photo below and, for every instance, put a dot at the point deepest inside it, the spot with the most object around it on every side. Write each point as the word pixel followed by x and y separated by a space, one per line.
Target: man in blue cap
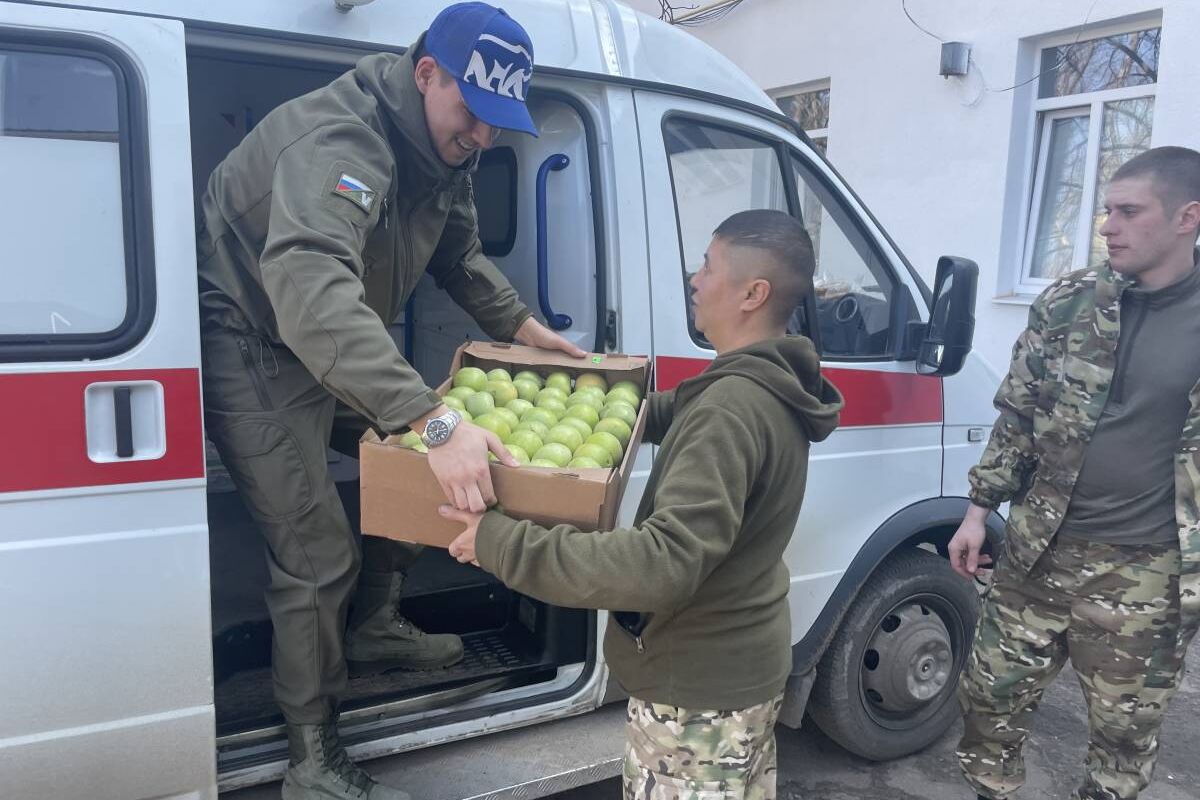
pixel 315 231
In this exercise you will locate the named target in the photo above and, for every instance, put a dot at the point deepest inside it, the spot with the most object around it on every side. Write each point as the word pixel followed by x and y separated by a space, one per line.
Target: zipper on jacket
pixel 641 647
pixel 385 213
pixel 255 378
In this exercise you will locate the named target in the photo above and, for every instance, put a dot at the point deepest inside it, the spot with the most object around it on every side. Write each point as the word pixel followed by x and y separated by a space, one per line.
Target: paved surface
pixel 813 768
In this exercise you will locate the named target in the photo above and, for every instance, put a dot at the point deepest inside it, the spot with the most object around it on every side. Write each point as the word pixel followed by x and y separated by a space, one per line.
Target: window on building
pixel 810 108
pixel 1094 111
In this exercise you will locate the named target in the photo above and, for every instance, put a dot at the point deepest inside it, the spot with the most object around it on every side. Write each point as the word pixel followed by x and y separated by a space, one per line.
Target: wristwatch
pixel 438 429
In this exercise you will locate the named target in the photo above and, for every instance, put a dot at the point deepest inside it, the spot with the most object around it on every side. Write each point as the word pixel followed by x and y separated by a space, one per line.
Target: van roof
pixel 599 37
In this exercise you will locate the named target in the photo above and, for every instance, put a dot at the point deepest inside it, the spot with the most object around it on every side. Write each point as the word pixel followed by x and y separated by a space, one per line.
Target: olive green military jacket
pixel 1050 402
pixel 318 226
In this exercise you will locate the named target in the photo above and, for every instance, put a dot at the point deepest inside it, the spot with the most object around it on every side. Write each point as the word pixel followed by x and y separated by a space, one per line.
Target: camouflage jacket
pixel 1049 404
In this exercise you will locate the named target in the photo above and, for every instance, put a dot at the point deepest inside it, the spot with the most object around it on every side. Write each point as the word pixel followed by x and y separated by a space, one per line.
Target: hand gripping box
pixel 400 495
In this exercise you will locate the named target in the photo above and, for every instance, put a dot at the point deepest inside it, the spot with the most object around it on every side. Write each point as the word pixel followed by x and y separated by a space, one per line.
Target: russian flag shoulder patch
pixel 355 190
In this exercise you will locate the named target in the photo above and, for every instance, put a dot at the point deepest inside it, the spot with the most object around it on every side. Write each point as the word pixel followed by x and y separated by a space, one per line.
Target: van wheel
pixel 886 684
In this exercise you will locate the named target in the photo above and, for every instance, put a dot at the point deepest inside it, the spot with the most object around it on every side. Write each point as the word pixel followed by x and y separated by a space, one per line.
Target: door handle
pixel 125 421
pixel 557 322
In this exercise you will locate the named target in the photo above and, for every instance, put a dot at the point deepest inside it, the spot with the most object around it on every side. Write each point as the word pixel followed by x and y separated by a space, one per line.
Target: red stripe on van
pixel 43 433
pixel 872 397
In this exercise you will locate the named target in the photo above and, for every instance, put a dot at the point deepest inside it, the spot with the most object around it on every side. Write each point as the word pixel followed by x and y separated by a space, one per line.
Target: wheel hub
pixel 908 661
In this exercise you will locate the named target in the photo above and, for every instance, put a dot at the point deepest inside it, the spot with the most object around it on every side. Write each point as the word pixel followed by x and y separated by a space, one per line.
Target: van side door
pixel 104 572
pixel 705 162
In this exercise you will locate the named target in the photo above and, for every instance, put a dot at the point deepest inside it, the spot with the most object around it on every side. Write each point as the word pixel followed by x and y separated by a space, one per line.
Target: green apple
pixel 553 405
pixel 591 379
pixel 624 393
pixel 554 392
pixel 518 453
pixel 528 375
pixel 499 374
pixel 609 442
pixel 622 411
pixel 631 386
pixel 559 380
pixel 527 440
pixel 467 415
pixel 518 406
pixel 617 428
pixel 472 377
pixel 454 402
pixel 586 413
pixel 411 439
pixel 544 463
pixel 534 425
pixel 584 429
pixel 555 452
pixel 566 435
pixel 583 462
pixel 596 453
pixel 503 391
pixel 526 389
pixel 584 397
pixel 509 416
pixel 542 415
pixel 494 423
pixel 461 392
pixel 480 403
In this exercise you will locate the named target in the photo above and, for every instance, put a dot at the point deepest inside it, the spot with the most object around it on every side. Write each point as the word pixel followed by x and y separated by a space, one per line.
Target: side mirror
pixel 947 339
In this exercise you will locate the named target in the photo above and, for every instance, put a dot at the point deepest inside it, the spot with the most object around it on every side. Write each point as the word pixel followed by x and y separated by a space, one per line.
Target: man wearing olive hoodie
pixel 700 636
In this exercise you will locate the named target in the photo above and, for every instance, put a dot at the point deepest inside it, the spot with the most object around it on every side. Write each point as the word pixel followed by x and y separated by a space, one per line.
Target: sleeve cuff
pixel 984 500
pixel 491 540
pixel 510 330
pixel 397 419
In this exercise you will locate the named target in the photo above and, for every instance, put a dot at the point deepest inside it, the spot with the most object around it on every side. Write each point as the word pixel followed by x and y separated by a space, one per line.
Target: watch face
pixel 437 431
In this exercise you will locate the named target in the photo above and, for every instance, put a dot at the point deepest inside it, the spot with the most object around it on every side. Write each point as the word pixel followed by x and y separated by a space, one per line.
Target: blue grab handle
pixel 557 322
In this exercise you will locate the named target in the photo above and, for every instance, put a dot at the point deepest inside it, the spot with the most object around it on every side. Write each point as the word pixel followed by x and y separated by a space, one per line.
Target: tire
pixel 886 684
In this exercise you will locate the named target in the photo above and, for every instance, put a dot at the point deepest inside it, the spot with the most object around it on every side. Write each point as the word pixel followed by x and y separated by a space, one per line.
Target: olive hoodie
pixel 317 227
pixel 698 583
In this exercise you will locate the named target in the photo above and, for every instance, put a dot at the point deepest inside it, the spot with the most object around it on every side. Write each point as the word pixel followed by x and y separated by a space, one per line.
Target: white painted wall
pixel 943 162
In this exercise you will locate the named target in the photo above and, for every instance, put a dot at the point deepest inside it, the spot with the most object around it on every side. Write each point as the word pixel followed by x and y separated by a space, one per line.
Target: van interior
pixel 518 650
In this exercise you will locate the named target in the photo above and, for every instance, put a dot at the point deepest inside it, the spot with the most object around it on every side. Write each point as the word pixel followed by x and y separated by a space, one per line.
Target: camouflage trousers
pixel 676 753
pixel 1114 612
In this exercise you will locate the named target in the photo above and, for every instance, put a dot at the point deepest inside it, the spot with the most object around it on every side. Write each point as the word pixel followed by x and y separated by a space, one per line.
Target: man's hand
pixel 535 334
pixel 461 466
pixel 964 548
pixel 463 547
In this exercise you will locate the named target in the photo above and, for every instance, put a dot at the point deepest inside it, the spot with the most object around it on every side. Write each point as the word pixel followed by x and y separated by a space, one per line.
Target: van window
pixel 853 285
pixel 495 185
pixel 67 198
pixel 716 172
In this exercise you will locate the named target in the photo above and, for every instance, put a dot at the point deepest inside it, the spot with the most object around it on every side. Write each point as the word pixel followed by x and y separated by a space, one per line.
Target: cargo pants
pixel 676 753
pixel 272 423
pixel 1114 611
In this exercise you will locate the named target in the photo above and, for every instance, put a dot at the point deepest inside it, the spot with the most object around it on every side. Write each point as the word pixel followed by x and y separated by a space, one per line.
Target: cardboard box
pixel 400 495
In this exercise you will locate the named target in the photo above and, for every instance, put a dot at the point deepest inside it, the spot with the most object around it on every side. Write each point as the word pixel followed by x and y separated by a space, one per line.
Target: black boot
pixel 319 769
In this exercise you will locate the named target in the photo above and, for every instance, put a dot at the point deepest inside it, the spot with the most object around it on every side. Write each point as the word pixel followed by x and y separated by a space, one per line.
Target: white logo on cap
pixel 501 79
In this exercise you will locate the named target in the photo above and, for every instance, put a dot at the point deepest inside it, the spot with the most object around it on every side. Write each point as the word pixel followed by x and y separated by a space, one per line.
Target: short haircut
pixel 1174 172
pixel 789 248
pixel 419 52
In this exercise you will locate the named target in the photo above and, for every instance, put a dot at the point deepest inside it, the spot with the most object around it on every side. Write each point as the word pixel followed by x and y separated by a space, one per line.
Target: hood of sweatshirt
pixel 389 78
pixel 790 369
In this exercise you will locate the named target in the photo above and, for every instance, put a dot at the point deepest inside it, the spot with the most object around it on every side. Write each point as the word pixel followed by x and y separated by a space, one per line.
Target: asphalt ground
pixel 814 768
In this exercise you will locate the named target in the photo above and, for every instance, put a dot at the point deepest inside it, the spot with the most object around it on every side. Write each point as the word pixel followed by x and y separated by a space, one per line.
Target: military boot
pixel 379 638
pixel 319 769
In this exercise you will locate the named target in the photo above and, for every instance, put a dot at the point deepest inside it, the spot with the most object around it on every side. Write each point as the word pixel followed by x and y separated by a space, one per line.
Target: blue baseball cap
pixel 491 57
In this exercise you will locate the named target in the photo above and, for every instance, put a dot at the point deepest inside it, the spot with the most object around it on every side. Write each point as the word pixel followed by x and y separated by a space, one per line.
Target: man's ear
pixel 425 73
pixel 1189 218
pixel 758 292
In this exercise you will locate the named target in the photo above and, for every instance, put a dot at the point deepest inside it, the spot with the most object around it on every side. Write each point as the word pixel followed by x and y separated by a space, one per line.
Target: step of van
pixel 525 763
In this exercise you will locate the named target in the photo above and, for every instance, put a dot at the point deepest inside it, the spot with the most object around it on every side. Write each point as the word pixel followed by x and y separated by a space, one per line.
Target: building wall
pixel 945 163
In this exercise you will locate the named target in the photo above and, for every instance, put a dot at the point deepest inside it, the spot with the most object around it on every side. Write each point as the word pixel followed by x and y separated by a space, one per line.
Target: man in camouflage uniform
pixel 1098 448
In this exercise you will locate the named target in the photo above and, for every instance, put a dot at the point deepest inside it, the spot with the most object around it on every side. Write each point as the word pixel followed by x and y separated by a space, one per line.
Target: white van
pixel 135 644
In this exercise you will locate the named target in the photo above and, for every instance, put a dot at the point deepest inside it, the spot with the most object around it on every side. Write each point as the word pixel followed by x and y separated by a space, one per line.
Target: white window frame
pixel 806 88
pixel 1044 112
